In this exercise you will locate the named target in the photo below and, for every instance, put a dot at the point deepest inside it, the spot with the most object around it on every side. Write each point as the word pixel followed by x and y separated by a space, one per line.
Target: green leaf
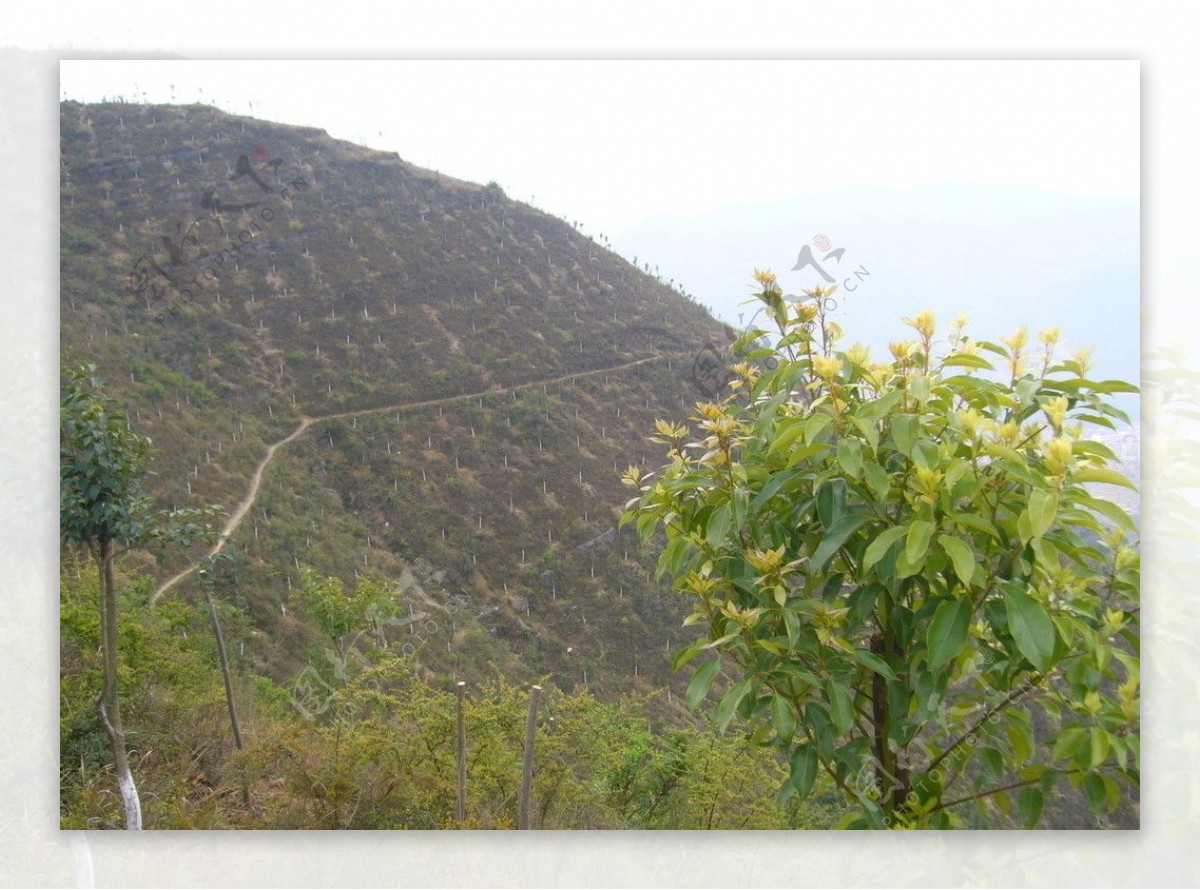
pixel 869 430
pixel 1042 507
pixel 740 502
pixel 841 711
pixel 849 456
pixel 1102 474
pixel 1090 447
pixel 961 557
pixel 970 520
pixel 718 526
pixel 877 478
pixel 1093 784
pixel 1029 625
pixel 783 718
pixel 773 486
pixel 948 632
pixel 804 769
pixel 963 360
pixel 880 546
pixel 925 454
pixel 791 621
pixel 1100 746
pixel 814 425
pixel 786 434
pixel 1020 737
pixel 721 641
pixel 831 502
pixel 673 557
pixel 1112 793
pixel 836 537
pixel 1070 742
pixel 904 432
pixel 1111 386
pixel 919 533
pixel 906 568
pixel 1003 802
pixel 919 386
pixel 875 663
pixel 701 682
pixel 1109 510
pixel 1029 805
pixel 646 524
pixel 991 760
pixel 686 655
pixel 727 707
pixel 1026 389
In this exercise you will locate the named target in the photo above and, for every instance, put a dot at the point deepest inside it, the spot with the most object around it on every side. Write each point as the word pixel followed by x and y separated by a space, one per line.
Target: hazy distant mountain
pixel 1005 255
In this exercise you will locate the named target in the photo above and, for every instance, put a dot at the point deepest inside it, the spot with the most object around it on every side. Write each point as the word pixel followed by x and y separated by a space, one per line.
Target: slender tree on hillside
pixel 102 508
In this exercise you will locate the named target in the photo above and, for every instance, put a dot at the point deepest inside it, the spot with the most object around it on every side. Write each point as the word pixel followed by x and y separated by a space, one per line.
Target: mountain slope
pixel 471 375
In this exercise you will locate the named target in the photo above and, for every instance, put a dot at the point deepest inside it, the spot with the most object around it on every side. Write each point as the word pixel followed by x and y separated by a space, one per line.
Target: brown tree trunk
pixel 109 705
pixel 891 774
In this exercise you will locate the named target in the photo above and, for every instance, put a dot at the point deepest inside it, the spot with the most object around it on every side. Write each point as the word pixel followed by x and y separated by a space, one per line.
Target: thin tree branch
pixel 1010 787
pixel 1004 703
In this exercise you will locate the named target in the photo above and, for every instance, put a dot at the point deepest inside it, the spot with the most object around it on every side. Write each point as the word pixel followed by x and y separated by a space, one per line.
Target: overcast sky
pixel 615 143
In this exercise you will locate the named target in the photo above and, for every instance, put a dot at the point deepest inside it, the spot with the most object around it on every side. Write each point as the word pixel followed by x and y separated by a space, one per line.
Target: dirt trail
pixel 305 422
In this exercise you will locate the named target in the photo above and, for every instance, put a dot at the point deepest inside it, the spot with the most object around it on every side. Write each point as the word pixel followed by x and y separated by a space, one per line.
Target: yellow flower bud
pixel 670 430
pixel 766 278
pixel 826 367
pixel 1124 558
pixel 1018 340
pixel 971 420
pixel 858 355
pixel 1049 336
pixel 880 374
pixel 902 350
pixel 1057 453
pixel 763 561
pixel 1056 410
pixel 923 323
pixel 1114 621
pixel 722 426
pixel 929 481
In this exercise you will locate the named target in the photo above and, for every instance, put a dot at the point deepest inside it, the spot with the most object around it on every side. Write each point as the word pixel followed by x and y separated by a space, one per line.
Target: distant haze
pixel 1004 255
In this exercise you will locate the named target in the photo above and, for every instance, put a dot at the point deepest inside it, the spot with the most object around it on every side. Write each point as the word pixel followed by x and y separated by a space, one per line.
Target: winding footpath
pixel 247 503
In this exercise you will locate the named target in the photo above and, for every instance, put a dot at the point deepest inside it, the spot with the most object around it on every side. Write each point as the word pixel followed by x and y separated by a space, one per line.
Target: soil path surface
pixel 247 503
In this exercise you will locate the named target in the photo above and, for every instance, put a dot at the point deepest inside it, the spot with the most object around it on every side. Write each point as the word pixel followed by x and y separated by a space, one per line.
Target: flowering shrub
pixel 902 570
